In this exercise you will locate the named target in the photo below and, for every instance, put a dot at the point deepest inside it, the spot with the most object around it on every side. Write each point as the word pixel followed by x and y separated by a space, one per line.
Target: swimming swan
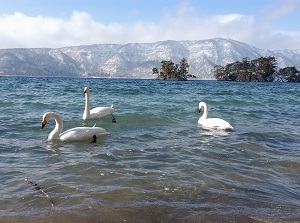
pixel 215 123
pixel 72 135
pixel 97 112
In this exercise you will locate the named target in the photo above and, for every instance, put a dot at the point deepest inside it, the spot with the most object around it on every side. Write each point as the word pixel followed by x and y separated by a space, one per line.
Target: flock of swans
pixel 79 133
pixel 92 133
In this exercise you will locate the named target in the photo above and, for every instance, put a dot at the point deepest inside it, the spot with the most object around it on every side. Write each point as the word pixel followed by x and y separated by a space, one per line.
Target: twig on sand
pixel 37 187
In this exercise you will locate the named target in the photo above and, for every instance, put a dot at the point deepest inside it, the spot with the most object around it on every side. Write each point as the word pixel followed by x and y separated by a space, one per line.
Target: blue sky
pixel 266 24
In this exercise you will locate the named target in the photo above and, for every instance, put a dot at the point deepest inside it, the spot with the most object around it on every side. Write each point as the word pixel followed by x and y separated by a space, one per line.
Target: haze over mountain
pixel 134 60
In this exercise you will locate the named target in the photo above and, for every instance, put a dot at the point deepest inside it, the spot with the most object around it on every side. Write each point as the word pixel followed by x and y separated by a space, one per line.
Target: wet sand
pixel 147 214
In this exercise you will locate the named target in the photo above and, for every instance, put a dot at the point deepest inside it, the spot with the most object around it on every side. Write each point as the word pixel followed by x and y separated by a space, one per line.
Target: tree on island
pixel 288 74
pixel 171 71
pixel 262 69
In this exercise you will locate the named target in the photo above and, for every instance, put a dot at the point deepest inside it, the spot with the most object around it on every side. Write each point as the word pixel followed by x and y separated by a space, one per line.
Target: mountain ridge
pixel 134 60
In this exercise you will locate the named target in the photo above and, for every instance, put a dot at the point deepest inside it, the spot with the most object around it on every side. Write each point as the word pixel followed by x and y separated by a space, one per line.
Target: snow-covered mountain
pixel 134 60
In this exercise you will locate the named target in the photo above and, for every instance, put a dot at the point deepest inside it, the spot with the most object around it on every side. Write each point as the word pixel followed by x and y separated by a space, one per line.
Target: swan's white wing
pixel 100 112
pixel 82 134
pixel 216 123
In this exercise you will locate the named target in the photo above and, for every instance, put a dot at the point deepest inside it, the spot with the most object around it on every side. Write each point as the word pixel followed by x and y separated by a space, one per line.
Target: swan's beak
pixel 44 122
pixel 199 110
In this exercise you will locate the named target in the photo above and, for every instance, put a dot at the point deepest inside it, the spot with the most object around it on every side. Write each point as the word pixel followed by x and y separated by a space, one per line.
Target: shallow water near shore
pixel 156 165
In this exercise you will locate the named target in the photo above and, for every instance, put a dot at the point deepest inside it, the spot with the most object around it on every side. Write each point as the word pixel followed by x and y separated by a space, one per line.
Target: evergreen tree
pixel 155 70
pixel 288 74
pixel 183 69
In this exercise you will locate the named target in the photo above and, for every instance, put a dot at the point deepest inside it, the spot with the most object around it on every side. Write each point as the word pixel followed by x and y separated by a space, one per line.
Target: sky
pixel 265 24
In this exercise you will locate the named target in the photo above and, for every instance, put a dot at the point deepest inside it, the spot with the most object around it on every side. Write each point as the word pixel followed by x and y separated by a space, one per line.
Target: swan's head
pixel 44 120
pixel 201 105
pixel 86 90
pixel 46 117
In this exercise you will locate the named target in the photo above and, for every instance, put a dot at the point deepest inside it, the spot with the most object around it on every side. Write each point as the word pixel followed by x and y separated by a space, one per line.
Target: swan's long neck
pixel 205 112
pixel 87 104
pixel 58 126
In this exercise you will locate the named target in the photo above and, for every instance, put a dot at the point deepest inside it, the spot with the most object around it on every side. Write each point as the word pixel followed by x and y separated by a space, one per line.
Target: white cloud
pixel 19 30
pixel 284 7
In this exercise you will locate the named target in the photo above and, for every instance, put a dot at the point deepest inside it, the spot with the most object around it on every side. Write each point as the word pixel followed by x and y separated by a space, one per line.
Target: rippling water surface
pixel 157 165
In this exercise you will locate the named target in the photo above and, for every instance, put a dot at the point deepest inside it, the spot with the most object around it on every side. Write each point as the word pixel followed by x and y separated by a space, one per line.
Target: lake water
pixel 156 165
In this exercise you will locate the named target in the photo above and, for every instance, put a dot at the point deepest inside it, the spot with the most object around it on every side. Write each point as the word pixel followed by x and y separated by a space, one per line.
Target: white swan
pixel 97 112
pixel 215 123
pixel 72 135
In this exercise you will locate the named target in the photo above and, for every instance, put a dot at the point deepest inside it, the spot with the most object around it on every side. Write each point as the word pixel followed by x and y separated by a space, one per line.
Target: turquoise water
pixel 156 165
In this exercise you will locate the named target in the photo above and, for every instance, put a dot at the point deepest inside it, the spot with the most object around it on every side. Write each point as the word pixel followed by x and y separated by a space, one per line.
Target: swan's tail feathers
pixel 113 119
pixel 112 106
